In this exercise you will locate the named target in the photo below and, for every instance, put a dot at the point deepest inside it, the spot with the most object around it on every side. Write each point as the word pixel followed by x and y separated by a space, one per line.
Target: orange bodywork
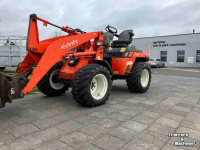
pixel 44 54
pixel 119 65
pixel 68 72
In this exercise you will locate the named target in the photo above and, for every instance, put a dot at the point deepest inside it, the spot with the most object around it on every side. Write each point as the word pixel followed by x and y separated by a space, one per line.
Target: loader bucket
pixel 11 86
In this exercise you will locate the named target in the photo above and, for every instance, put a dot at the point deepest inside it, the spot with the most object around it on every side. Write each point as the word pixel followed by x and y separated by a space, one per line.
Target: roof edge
pixel 167 35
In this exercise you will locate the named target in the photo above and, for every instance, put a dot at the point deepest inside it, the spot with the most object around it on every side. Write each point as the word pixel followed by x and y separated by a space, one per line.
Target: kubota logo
pixel 64 46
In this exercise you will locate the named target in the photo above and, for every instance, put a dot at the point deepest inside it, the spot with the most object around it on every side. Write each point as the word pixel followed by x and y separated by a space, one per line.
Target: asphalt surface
pixel 183 72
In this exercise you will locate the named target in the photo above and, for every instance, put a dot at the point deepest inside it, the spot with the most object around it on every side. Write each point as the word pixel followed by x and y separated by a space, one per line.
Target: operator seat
pixel 125 38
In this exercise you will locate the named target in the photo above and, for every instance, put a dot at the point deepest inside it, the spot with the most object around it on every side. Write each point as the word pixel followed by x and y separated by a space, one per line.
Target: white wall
pixel 191 41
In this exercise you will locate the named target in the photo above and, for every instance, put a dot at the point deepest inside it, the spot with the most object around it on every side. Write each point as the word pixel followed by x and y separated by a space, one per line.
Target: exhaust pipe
pixel 11 86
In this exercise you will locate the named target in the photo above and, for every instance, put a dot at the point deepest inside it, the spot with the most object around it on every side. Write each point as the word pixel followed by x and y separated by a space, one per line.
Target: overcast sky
pixel 146 17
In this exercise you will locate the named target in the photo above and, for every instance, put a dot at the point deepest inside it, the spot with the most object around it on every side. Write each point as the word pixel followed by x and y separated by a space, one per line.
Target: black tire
pixel 2 68
pixel 134 78
pixel 81 85
pixel 45 87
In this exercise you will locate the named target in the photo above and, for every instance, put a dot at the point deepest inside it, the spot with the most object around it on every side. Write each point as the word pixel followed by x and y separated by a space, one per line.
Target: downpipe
pixel 11 86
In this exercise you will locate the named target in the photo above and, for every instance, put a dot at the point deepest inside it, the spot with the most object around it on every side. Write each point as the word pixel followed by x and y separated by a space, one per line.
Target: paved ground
pixel 174 71
pixel 183 72
pixel 127 121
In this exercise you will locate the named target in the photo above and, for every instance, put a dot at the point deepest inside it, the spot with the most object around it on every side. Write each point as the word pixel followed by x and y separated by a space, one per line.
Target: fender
pixel 105 64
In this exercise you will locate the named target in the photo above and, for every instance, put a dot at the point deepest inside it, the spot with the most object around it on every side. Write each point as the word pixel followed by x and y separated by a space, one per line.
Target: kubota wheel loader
pixel 86 62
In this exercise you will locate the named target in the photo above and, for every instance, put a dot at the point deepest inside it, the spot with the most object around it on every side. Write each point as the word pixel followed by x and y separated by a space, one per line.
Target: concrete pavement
pixel 183 72
pixel 127 121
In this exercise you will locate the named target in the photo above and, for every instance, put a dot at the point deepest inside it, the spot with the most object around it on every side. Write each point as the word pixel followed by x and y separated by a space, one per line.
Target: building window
pixel 180 56
pixel 163 56
pixel 198 56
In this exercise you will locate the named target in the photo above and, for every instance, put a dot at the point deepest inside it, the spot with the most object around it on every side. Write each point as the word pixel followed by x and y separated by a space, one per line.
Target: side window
pixel 180 55
pixel 163 56
pixel 198 56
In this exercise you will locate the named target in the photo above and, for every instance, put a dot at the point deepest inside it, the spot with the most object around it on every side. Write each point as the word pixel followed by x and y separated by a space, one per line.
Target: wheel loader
pixel 86 62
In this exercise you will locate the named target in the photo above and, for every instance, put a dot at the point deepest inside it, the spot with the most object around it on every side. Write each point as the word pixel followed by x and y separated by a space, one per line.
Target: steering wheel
pixel 109 29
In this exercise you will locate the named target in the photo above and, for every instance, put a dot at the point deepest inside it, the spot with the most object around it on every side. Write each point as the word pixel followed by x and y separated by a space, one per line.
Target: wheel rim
pixel 52 80
pixel 145 78
pixel 99 86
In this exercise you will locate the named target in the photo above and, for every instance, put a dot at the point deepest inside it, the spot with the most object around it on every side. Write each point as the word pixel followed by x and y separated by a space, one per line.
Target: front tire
pixel 139 78
pixel 91 85
pixel 50 85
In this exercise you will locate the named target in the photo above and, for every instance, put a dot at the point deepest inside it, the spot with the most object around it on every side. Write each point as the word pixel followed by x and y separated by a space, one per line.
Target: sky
pixel 146 17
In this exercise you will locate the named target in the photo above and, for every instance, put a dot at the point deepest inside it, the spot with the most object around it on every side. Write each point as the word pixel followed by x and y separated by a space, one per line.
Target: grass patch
pixel 34 91
pixel 11 73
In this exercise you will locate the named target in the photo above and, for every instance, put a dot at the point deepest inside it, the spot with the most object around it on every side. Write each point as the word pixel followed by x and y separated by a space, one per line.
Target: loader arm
pixel 36 48
pixel 55 53
pixel 41 57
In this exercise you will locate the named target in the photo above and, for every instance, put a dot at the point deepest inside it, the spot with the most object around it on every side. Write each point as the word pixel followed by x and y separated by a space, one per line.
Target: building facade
pixel 181 50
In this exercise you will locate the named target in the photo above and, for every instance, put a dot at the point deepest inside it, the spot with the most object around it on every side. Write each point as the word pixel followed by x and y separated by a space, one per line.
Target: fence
pixel 12 50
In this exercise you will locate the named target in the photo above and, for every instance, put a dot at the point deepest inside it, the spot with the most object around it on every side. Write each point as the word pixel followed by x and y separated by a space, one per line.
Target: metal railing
pixel 12 50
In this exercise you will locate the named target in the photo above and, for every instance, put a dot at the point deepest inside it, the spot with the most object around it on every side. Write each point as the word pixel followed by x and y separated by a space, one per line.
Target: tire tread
pixel 46 88
pixel 133 79
pixel 81 81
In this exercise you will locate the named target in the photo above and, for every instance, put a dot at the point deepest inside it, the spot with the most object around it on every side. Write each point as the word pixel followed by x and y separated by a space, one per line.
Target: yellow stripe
pixel 115 72
pixel 110 49
pixel 122 49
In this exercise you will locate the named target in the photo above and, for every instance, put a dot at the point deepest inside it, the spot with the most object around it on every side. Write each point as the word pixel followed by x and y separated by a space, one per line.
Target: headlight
pixel 73 61
pixel 100 43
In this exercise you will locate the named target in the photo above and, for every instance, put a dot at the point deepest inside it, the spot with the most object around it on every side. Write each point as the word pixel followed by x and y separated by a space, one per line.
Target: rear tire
pixel 91 85
pixel 139 78
pixel 2 68
pixel 48 84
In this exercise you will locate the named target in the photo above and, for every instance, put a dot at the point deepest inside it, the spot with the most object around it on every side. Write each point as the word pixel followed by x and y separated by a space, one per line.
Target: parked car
pixel 156 63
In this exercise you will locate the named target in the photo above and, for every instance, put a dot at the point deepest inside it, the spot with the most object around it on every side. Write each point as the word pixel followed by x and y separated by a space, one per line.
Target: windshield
pixel 157 59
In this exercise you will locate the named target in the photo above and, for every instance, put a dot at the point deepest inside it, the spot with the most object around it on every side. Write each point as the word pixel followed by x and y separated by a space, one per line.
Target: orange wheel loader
pixel 86 62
